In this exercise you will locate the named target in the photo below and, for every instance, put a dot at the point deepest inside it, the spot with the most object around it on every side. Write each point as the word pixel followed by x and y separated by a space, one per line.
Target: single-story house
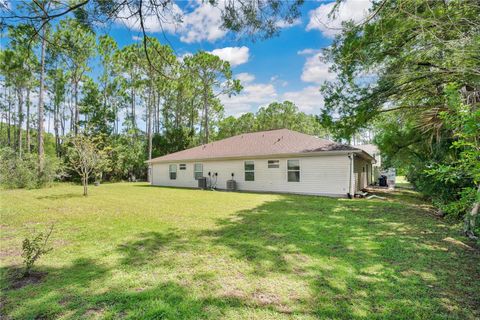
pixel 282 161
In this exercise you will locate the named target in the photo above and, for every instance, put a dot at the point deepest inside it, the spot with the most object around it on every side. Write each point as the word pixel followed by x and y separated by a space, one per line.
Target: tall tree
pixel 78 45
pixel 215 79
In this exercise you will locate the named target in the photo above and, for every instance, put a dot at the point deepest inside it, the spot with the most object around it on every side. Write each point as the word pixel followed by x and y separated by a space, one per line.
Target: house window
pixel 182 166
pixel 293 170
pixel 198 171
pixel 249 171
pixel 173 171
pixel 273 164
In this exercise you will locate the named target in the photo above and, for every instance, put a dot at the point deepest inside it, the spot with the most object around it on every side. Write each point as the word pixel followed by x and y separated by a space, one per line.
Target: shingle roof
pixel 263 143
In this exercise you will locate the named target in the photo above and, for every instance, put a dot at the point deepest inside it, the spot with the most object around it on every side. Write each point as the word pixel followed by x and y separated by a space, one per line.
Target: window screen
pixel 249 171
pixel 293 170
pixel 173 171
pixel 198 171
pixel 273 164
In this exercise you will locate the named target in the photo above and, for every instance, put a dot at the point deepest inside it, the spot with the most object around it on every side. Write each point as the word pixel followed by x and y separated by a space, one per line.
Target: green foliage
pixel 127 156
pixel 443 164
pixel 35 247
pixel 214 79
pixel 403 57
pixel 276 115
pixel 412 67
pixel 22 172
pixel 172 140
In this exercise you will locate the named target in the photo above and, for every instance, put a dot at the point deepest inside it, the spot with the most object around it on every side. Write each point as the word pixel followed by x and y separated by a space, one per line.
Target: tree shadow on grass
pixel 65 292
pixel 62 196
pixel 362 259
pixel 56 288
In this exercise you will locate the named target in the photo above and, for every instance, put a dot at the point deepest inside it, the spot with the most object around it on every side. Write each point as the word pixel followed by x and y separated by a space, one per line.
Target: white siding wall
pixel 324 175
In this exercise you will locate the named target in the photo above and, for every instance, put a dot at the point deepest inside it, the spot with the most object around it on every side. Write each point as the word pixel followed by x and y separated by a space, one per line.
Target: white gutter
pixel 351 186
pixel 265 156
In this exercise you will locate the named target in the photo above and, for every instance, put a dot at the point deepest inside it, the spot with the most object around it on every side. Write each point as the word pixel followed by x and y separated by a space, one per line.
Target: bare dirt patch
pixel 264 299
pixel 18 280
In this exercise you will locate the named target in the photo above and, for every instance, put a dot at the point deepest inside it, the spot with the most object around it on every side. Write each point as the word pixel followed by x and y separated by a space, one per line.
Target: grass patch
pixel 133 251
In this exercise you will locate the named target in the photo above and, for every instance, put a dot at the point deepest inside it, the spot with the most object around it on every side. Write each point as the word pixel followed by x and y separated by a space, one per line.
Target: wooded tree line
pixel 424 96
pixel 135 102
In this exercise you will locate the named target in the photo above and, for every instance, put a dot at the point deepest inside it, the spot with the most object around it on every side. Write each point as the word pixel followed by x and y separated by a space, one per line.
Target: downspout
pixel 351 186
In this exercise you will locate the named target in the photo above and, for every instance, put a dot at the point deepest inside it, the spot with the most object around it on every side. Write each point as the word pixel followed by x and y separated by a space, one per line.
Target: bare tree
pixel 84 158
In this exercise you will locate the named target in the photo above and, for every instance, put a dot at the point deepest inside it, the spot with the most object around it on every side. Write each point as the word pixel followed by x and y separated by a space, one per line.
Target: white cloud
pixel 308 100
pixel 235 55
pixel 277 81
pixel 5 5
pixel 245 77
pixel 201 23
pixel 284 24
pixel 355 10
pixel 316 70
pixel 308 51
pixel 251 98
pixel 256 95
pixel 137 38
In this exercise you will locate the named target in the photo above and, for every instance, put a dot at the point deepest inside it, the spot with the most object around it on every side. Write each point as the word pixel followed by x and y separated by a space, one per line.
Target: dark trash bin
pixel 382 181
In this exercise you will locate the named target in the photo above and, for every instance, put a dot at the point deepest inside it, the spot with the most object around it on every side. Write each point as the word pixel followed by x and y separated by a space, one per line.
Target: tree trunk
pixel 28 121
pixel 49 119
pixel 134 121
pixel 75 97
pixel 116 119
pixel 41 153
pixel 151 103
pixel 56 128
pixel 158 114
pixel 85 185
pixel 20 121
pixel 9 119
pixel 1 126
pixel 205 106
pixel 192 117
pixel 471 218
pixel 62 122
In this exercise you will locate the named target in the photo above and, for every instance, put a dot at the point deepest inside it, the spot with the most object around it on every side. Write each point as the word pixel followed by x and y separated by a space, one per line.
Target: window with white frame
pixel 173 171
pixel 197 170
pixel 182 166
pixel 273 164
pixel 293 170
pixel 249 171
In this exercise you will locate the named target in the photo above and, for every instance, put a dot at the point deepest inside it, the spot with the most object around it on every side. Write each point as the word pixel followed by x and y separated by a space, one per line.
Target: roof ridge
pixel 251 144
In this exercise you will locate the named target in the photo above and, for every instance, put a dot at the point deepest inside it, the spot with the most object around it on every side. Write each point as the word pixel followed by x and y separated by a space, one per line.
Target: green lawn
pixel 138 252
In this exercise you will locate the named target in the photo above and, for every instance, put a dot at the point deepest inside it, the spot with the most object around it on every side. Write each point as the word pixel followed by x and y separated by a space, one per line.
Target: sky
pixel 285 67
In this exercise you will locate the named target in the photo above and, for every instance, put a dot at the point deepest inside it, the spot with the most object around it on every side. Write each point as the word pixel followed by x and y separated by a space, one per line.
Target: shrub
pixel 34 248
pixel 22 172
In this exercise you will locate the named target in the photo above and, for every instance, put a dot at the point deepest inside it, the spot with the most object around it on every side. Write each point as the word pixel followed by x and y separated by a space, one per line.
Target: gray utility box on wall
pixel 202 183
pixel 231 185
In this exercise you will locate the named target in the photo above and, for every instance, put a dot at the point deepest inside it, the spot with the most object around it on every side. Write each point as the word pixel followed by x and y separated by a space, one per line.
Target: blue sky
pixel 286 67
